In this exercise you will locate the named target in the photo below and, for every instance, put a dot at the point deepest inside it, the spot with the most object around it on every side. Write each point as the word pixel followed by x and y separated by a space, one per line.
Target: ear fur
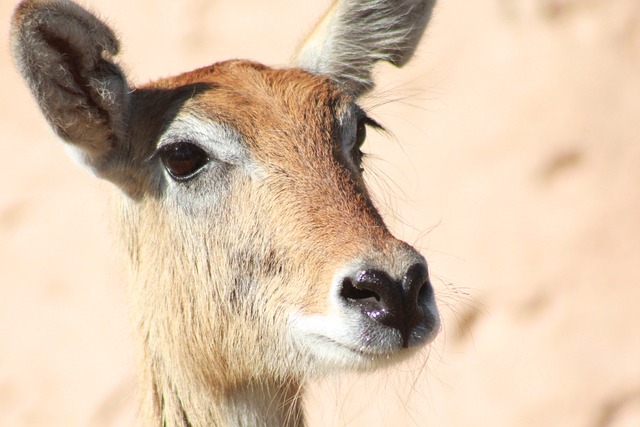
pixel 355 34
pixel 65 54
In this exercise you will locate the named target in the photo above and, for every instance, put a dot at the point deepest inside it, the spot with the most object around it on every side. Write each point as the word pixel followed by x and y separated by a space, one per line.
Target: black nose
pixel 398 305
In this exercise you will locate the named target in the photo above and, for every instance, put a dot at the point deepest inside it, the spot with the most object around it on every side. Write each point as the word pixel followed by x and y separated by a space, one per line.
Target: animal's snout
pixel 397 304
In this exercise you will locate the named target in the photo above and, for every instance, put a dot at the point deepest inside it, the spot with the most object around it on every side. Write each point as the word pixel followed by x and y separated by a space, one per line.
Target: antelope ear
pixel 65 54
pixel 355 34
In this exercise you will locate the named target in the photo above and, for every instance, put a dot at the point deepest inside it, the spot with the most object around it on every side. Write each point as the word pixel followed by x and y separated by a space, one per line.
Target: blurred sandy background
pixel 515 168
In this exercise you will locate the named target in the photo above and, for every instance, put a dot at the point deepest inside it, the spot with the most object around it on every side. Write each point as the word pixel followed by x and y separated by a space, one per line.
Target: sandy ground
pixel 515 168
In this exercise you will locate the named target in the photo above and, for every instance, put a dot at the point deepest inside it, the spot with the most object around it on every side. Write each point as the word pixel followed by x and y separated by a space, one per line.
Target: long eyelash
pixel 374 124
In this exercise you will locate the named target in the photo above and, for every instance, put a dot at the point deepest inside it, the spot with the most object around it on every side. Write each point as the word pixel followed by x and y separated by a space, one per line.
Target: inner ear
pixel 355 34
pixel 66 55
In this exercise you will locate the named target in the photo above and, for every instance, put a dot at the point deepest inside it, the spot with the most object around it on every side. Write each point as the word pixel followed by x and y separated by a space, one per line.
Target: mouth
pixel 363 351
pixel 331 353
pixel 335 342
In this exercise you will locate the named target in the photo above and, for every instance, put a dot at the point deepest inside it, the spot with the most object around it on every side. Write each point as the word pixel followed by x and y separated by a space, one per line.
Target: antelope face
pixel 259 173
pixel 255 247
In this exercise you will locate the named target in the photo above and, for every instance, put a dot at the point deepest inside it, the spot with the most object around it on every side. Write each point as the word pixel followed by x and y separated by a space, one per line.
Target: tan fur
pixel 220 266
pixel 310 204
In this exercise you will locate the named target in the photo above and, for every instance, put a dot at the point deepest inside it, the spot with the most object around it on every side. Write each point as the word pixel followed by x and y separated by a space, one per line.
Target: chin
pixel 335 343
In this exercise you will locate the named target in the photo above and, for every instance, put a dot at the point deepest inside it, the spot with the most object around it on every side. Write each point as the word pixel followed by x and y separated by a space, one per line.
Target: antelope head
pixel 257 257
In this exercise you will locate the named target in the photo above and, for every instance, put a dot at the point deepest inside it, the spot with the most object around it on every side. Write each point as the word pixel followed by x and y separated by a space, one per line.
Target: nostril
pixel 416 283
pixel 351 293
pixel 374 294
pixel 426 292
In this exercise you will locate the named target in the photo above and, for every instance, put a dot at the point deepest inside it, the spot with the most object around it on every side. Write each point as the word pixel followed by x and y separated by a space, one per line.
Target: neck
pixel 268 403
pixel 192 372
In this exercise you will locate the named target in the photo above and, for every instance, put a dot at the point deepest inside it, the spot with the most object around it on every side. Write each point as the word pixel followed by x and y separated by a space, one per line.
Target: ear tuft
pixel 355 34
pixel 65 54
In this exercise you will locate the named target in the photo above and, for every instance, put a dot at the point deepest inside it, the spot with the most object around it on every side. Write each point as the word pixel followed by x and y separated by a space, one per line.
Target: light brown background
pixel 515 168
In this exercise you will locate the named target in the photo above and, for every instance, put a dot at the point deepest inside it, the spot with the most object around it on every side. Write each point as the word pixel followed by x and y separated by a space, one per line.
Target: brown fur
pixel 220 266
pixel 311 204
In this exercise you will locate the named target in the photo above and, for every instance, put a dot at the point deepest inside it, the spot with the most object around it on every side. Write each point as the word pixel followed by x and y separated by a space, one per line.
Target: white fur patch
pixel 79 157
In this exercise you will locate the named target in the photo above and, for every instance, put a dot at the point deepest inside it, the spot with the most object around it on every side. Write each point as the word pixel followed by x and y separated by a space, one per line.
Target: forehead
pixel 280 106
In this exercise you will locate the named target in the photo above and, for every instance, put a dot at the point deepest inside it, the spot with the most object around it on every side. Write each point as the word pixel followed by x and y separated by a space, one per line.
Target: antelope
pixel 257 258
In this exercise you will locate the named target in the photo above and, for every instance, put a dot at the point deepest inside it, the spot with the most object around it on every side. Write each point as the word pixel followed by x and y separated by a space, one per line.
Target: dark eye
pixel 361 135
pixel 183 159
